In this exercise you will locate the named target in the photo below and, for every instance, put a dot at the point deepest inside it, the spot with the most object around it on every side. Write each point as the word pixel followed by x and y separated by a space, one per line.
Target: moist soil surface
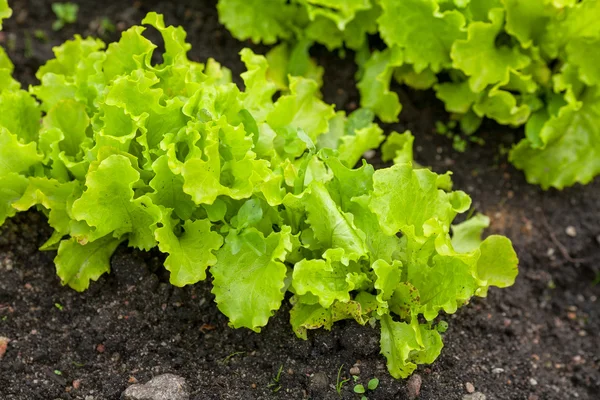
pixel 536 340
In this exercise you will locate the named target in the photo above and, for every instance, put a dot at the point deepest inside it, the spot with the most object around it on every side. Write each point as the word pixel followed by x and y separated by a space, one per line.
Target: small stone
pixel 571 231
pixel 413 386
pixel 3 345
pixel 76 384
pixel 497 370
pixel 533 397
pixel 162 387
pixel 100 348
pixel 474 396
pixel 354 371
pixel 369 154
pixel 470 388
pixel 318 382
pixel 578 360
pixel 532 382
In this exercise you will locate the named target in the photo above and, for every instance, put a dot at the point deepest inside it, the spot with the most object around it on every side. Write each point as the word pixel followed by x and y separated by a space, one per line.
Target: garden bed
pixel 536 340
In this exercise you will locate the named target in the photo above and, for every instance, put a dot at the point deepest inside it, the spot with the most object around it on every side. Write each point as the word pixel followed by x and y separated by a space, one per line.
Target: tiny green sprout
pixel 360 389
pixel 106 26
pixel 364 398
pixel 459 144
pixel 40 35
pixel 356 378
pixel 340 382
pixel 442 326
pixel 59 306
pixel 28 46
pixel 373 383
pixel 229 357
pixel 440 127
pixel 57 372
pixel 275 385
pixel 66 14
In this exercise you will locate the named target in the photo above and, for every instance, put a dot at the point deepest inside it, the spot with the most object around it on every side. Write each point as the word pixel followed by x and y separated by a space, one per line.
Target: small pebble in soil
pixel 318 382
pixel 354 371
pixel 162 387
pixel 369 154
pixel 413 386
pixel 470 388
pixel 532 382
pixel 3 345
pixel 474 396
pixel 497 370
pixel 571 231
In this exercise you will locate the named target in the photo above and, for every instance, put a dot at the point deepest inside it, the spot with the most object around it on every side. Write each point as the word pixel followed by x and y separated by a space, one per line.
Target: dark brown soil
pixel 536 340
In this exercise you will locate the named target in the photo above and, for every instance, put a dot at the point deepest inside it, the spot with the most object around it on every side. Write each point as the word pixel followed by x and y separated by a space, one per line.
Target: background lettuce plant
pixel 262 194
pixel 531 62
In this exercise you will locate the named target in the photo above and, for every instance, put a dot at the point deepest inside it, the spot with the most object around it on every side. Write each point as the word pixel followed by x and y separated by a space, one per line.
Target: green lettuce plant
pixel 261 194
pixel 532 63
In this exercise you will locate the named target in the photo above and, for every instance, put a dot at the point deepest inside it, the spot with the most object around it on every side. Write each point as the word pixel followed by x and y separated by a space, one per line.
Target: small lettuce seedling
pixel 66 13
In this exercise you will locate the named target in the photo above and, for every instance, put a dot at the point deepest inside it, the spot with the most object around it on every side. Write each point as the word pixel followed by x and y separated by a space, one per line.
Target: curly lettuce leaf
pixel 77 264
pixel 466 236
pixel 398 147
pixel 191 252
pixel 262 21
pixel 313 316
pixel 5 11
pixel 374 85
pixel 332 227
pixel 409 200
pixel 249 277
pixel 12 187
pixel 481 59
pixel 424 32
pixel 56 198
pixel 570 151
pixel 108 205
pixel 404 345
pixel 14 155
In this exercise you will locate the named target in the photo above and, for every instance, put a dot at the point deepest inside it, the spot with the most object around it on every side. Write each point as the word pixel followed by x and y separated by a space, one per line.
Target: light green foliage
pixel 66 13
pixel 496 59
pixel 77 263
pixel 5 11
pixel 263 195
pixel 425 33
